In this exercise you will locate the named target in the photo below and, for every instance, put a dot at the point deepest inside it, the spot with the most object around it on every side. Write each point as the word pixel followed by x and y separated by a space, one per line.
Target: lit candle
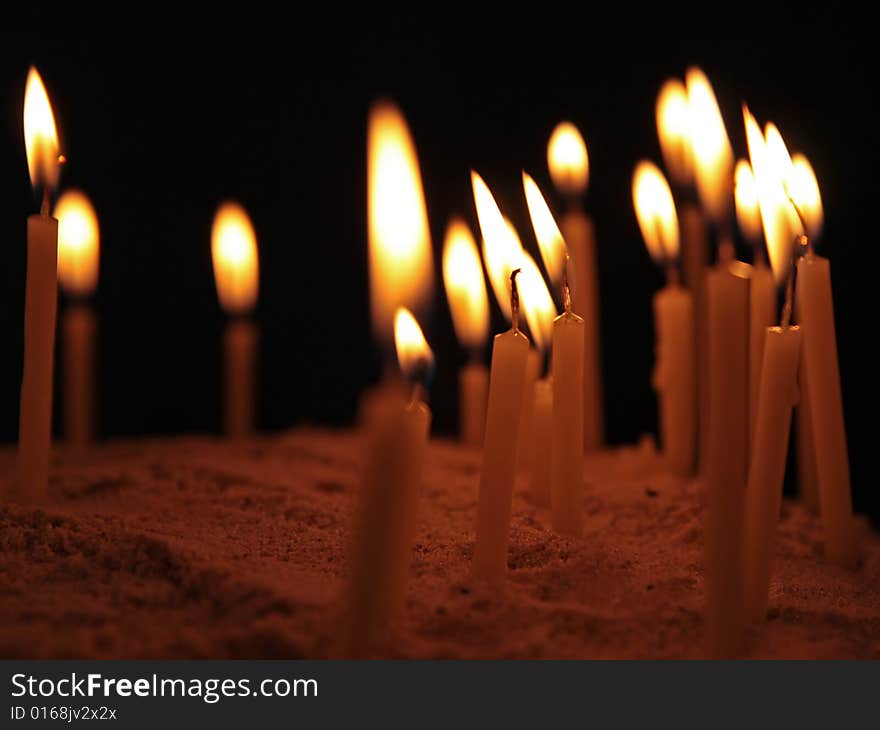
pixel 78 256
pixel 392 477
pixel 567 364
pixel 469 305
pixel 400 260
pixel 713 174
pixel 510 351
pixel 236 273
pixel 673 321
pixel 41 299
pixel 569 168
pixel 777 390
pixel 822 382
pixel 762 292
pixel 805 191
pixel 724 409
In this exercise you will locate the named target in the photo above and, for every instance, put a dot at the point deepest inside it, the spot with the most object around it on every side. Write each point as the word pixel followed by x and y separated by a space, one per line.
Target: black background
pixel 161 124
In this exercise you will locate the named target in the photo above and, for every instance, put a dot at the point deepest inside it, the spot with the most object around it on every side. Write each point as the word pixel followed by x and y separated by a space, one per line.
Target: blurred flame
pixel 40 133
pixel 536 303
pixel 778 217
pixel 674 131
pixel 465 287
pixel 401 266
pixel 713 155
pixel 553 249
pixel 502 250
pixel 748 213
pixel 78 243
pixel 234 253
pixel 655 211
pixel 804 190
pixel 567 159
pixel 413 352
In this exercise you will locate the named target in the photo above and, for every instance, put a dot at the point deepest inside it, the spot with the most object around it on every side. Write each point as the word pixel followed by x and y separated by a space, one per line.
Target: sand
pixel 193 547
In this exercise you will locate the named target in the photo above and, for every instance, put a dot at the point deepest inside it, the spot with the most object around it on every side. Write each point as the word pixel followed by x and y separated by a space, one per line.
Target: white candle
pixel 510 351
pixel 41 300
pixel 540 435
pixel 728 299
pixel 240 343
pixel 78 325
pixel 777 395
pixel 526 445
pixel 762 314
pixel 567 445
pixel 674 377
pixel 237 275
pixel 826 408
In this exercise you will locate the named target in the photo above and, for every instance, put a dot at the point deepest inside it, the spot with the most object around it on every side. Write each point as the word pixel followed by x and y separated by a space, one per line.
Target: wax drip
pixel 514 300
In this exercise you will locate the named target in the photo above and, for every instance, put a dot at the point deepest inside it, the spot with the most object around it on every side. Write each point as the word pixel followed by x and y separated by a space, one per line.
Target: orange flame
pixel 234 253
pixel 536 302
pixel 78 243
pixel 465 286
pixel 40 133
pixel 674 131
pixel 554 252
pixel 567 159
pixel 401 266
pixel 748 212
pixel 804 190
pixel 713 155
pixel 655 211
pixel 413 352
pixel 778 217
pixel 502 250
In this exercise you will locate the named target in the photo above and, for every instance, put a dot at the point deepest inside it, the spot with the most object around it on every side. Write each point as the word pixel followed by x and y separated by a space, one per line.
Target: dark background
pixel 159 127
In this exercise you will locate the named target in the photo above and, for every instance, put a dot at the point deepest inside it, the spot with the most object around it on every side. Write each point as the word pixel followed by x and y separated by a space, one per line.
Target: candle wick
pixel 566 288
pixel 44 208
pixel 673 277
pixel 514 300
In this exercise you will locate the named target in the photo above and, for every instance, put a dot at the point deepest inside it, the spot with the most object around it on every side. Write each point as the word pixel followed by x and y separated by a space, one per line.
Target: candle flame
pixel 778 218
pixel 536 303
pixel 713 155
pixel 748 212
pixel 414 355
pixel 78 243
pixel 554 252
pixel 804 190
pixel 674 131
pixel 400 262
pixel 502 250
pixel 567 159
pixel 40 133
pixel 234 253
pixel 655 211
pixel 465 286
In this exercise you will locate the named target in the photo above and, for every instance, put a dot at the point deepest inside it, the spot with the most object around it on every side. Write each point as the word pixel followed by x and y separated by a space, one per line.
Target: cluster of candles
pixel 729 368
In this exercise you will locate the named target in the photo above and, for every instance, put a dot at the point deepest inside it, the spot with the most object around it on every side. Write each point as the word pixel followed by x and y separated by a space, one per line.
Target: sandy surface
pixel 196 548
